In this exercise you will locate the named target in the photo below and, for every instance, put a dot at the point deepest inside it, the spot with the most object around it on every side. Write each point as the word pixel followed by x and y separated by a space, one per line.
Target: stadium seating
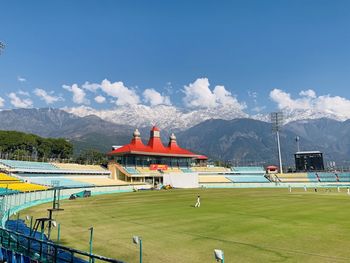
pixel 312 177
pixel 5 191
pixel 146 170
pixel 324 177
pixel 39 168
pixel 78 167
pixel 10 184
pixel 247 179
pixel 23 187
pixel 7 178
pixel 208 169
pixel 98 180
pixel 27 165
pixel 173 170
pixel 186 170
pixel 293 177
pixel 343 177
pixel 247 174
pixel 131 170
pixel 248 169
pixel 56 181
pixel 213 179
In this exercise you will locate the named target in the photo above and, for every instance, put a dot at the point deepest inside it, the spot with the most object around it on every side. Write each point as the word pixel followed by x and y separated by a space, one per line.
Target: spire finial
pixel 136 133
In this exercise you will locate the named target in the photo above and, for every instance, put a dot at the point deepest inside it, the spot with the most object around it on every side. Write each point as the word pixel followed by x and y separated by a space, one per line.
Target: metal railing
pixel 46 251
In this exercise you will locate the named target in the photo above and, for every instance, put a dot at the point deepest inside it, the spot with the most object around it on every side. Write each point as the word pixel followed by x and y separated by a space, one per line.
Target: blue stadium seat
pixel 247 179
pixel 186 170
pixel 248 169
pixel 312 177
pixel 344 177
pixel 61 180
pixel 131 170
pixel 327 177
pixel 28 165
pixel 5 191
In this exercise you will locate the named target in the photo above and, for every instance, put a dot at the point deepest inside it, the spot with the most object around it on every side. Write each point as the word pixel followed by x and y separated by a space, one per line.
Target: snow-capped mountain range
pixel 166 117
pixel 170 117
pixel 243 140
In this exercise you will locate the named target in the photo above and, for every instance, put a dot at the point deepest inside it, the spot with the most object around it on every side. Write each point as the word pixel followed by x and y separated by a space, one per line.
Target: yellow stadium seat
pixel 23 187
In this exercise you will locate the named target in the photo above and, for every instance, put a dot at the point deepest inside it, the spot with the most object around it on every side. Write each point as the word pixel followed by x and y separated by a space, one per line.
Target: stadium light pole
pixel 138 241
pixel 90 242
pixel 219 255
pixel 277 122
pixel 58 233
pixel 297 139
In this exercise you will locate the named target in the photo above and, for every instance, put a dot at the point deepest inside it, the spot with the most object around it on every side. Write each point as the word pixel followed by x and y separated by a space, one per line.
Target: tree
pixel 19 145
pixel 92 157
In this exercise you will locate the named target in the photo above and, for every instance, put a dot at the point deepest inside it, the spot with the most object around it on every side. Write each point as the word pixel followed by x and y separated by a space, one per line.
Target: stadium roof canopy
pixel 154 146
pixel 202 157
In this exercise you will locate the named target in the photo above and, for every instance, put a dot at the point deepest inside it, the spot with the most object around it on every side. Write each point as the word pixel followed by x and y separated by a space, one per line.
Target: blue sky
pixel 266 54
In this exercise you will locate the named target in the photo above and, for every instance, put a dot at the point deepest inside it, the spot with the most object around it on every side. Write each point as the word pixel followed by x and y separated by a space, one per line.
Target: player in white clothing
pixel 198 204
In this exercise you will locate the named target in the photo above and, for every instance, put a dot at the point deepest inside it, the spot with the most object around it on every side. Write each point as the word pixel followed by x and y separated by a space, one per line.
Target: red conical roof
pixel 153 147
pixel 155 128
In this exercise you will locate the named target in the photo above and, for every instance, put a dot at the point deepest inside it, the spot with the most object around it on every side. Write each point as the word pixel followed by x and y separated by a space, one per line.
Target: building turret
pixel 136 139
pixel 172 142
pixel 136 133
pixel 154 140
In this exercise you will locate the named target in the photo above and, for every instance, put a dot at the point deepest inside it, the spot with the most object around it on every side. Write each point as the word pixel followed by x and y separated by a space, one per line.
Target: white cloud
pixel 199 95
pixel 78 94
pixel 21 79
pixel 252 94
pixel 285 101
pixel 91 86
pixel 2 102
pixel 100 99
pixel 122 94
pixel 154 98
pixel 23 93
pixel 43 95
pixel 258 108
pixel 223 96
pixel 18 102
pixel 308 93
pixel 309 101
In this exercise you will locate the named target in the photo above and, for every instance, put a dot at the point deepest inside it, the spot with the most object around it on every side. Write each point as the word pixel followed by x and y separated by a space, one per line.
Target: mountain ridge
pixel 240 140
pixel 170 117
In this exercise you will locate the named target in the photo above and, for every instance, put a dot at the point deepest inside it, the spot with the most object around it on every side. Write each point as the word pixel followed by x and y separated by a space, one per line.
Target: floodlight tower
pixel 297 139
pixel 277 122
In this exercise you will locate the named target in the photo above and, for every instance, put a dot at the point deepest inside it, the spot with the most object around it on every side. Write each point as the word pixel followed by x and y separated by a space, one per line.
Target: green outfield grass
pixel 250 225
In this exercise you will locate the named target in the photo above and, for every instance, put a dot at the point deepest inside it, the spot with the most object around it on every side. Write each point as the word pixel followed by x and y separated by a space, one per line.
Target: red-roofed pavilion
pixel 137 159
pixel 153 148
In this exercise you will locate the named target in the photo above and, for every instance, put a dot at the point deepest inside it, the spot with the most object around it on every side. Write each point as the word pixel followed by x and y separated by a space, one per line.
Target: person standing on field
pixel 198 203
